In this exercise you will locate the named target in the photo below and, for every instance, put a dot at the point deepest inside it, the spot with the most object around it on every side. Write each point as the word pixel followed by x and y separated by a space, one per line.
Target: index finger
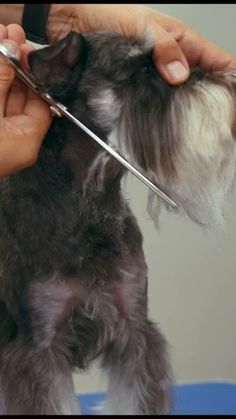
pixel 39 112
pixel 204 54
pixel 15 33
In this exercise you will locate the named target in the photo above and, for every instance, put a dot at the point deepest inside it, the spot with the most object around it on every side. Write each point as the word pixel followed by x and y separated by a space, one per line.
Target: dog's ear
pixel 53 64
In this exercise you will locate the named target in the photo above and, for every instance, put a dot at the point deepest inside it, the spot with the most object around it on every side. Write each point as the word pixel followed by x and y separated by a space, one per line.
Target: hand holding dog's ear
pixel 177 49
pixel 24 117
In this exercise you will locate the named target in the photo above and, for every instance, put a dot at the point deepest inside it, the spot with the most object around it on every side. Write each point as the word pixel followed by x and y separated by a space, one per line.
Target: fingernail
pixel 176 70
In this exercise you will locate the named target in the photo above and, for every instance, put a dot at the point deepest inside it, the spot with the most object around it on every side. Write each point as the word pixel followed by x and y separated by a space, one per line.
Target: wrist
pixel 11 13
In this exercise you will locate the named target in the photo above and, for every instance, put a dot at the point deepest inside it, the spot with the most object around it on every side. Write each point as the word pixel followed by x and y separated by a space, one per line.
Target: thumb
pixel 169 58
pixel 7 73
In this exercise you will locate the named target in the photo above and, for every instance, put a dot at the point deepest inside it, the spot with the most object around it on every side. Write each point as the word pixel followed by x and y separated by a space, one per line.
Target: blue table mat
pixel 208 398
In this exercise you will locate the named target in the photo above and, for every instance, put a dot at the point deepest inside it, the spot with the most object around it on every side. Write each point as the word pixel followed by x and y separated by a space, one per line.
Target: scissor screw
pixel 55 112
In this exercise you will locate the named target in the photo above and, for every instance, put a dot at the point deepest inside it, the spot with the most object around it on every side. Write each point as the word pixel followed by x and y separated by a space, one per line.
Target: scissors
pixel 59 110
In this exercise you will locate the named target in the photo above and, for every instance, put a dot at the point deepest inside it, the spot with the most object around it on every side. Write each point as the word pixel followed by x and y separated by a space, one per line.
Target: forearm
pixel 11 13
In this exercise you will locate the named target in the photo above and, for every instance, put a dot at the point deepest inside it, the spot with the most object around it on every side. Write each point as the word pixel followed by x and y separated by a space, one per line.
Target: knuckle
pixel 6 73
pixel 167 45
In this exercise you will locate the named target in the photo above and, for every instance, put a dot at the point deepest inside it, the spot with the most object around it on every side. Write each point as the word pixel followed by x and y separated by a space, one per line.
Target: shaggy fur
pixel 73 277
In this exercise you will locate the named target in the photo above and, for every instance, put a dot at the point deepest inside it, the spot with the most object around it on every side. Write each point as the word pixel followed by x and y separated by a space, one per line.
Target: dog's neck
pixel 71 164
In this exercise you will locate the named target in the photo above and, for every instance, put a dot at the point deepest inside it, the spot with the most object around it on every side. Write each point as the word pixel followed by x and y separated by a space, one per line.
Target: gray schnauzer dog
pixel 73 277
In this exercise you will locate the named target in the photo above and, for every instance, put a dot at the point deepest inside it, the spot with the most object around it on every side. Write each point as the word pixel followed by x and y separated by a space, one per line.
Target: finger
pixel 25 50
pixel 7 74
pixel 133 20
pixel 16 150
pixel 12 46
pixel 30 130
pixel 18 92
pixel 3 32
pixel 202 53
pixel 9 148
pixel 16 99
pixel 38 109
pixel 197 50
pixel 16 33
pixel 169 58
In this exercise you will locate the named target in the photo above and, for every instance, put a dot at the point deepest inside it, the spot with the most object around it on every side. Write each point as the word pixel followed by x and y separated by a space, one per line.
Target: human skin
pixel 175 42
pixel 24 117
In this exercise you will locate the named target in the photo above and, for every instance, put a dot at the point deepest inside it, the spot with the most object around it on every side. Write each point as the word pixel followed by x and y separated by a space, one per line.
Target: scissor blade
pixel 118 157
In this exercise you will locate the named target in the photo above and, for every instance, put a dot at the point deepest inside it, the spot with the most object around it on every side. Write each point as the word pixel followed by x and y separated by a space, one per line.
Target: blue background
pixel 194 399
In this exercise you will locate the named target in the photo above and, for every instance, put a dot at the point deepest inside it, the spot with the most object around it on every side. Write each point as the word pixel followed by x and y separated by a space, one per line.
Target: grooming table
pixel 209 398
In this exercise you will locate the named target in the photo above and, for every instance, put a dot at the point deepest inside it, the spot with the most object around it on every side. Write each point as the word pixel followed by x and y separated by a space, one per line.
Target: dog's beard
pixel 188 149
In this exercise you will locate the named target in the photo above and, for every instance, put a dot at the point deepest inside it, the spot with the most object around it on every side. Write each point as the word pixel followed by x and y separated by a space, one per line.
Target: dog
pixel 73 276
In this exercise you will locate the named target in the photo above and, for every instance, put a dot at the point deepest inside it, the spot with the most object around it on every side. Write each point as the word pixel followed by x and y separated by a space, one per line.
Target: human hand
pixel 176 43
pixel 24 117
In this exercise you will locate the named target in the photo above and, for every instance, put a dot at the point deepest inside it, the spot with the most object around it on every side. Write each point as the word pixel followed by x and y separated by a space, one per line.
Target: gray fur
pixel 73 277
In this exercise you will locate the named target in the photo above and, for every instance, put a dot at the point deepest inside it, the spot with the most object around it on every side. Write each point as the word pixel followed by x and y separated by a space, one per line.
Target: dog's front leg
pixel 36 382
pixel 35 363
pixel 138 373
pixel 136 360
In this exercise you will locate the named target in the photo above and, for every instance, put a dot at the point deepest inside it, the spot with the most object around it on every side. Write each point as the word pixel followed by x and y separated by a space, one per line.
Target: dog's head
pixel 183 137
